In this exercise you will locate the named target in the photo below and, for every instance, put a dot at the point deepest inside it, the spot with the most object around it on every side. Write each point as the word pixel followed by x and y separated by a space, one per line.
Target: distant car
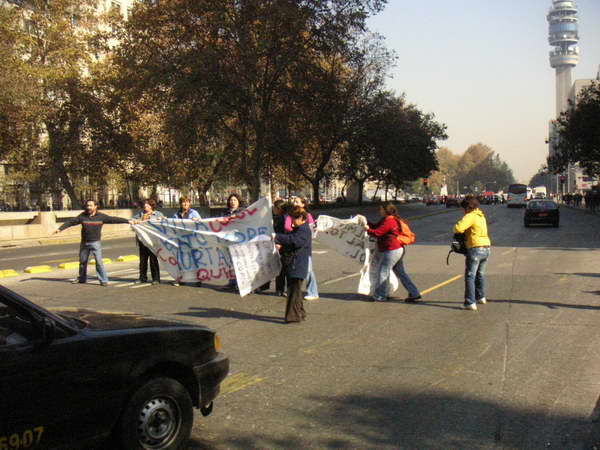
pixel 542 212
pixel 452 202
pixel 540 195
pixel 68 379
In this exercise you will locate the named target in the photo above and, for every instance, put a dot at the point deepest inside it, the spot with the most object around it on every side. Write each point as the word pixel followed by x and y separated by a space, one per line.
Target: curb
pixel 38 269
pixel 8 273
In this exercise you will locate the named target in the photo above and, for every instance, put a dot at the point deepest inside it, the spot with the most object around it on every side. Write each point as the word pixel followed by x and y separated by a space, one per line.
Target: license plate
pixel 542 214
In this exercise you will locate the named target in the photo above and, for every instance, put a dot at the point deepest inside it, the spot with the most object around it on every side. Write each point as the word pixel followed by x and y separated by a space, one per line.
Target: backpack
pixel 405 236
pixel 458 245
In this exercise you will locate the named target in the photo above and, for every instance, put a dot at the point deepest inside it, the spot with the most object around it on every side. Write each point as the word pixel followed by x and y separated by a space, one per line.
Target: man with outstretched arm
pixel 91 222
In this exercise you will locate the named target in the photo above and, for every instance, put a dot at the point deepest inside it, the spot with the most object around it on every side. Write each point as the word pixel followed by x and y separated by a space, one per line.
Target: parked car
pixel 68 378
pixel 542 212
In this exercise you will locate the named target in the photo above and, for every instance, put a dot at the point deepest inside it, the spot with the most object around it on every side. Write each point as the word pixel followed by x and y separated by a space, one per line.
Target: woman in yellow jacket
pixel 474 226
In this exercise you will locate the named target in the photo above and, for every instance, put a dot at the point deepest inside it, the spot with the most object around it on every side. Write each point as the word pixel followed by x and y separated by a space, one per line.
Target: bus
pixel 517 196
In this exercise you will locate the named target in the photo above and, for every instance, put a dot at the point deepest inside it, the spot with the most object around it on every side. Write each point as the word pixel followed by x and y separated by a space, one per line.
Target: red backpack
pixel 405 236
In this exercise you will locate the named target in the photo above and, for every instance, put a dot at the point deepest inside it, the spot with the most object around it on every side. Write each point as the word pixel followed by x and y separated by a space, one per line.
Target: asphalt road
pixel 523 372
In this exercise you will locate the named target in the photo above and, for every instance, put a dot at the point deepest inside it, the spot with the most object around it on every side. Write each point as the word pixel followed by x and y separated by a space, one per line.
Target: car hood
pixel 114 320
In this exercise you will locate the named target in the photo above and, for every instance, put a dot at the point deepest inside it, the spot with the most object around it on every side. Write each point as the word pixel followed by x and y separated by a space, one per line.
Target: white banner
pixel 349 238
pixel 194 251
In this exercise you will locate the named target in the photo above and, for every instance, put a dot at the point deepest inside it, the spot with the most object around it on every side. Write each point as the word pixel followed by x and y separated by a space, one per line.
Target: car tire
pixel 555 224
pixel 159 415
pixel 526 224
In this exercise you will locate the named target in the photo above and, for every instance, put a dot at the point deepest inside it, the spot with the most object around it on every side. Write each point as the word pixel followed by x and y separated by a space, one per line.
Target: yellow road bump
pixel 8 273
pixel 128 258
pixel 38 269
pixel 437 286
pixel 238 382
pixel 69 265
pixel 104 260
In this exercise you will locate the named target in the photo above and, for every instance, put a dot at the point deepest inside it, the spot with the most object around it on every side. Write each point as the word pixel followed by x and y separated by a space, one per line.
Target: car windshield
pixel 517 189
pixel 542 205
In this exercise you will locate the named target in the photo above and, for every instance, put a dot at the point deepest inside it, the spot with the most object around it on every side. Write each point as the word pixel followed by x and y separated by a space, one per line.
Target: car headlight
pixel 218 346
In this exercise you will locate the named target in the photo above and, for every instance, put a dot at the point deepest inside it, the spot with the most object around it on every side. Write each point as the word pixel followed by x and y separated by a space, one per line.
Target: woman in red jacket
pixel 391 252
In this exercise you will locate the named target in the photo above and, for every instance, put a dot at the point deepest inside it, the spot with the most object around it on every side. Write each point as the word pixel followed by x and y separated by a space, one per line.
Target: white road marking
pixel 141 285
pixel 118 272
pixel 319 252
pixel 341 278
pixel 124 284
pixel 509 251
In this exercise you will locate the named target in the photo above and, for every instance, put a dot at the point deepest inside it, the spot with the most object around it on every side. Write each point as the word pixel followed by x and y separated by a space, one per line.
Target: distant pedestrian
pixel 391 251
pixel 185 212
pixel 296 249
pixel 474 226
pixel 148 213
pixel 91 222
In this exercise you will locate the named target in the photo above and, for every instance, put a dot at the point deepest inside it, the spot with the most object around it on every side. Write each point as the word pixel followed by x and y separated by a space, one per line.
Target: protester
pixel 185 212
pixel 474 226
pixel 278 219
pixel 392 253
pixel 296 251
pixel 148 213
pixel 234 206
pixel 312 290
pixel 91 222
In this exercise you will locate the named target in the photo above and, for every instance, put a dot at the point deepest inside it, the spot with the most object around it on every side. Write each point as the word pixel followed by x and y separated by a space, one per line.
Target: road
pixel 523 372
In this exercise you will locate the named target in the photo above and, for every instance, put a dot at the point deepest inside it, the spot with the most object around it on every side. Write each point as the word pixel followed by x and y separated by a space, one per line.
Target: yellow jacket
pixel 474 225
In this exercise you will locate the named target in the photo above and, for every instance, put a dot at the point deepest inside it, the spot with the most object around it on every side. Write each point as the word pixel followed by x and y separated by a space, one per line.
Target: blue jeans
pixel 311 281
pixel 84 255
pixel 477 258
pixel 392 260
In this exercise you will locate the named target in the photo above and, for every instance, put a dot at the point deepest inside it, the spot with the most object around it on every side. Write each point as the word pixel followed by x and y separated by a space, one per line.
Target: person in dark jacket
pixel 91 222
pixel 148 213
pixel 296 251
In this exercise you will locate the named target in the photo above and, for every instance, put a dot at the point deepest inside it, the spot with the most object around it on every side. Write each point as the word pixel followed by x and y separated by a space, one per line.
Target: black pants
pixel 146 254
pixel 294 310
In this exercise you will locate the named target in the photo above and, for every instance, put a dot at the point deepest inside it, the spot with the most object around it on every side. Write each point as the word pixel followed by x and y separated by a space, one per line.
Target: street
pixel 522 372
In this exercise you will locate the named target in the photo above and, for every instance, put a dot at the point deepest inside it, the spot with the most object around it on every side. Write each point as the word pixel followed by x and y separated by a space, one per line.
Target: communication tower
pixel 563 36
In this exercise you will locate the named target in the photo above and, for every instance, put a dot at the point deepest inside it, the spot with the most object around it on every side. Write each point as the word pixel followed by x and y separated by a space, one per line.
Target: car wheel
pixel 159 415
pixel 555 224
pixel 526 224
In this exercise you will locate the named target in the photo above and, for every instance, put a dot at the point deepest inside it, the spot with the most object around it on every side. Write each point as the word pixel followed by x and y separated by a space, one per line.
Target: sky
pixel 482 67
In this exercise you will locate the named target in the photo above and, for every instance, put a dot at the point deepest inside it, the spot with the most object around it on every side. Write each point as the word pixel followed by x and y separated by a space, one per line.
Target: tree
pixel 578 133
pixel 50 46
pixel 230 64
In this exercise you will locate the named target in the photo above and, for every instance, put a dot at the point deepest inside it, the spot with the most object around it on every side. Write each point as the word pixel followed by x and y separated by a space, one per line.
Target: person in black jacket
pixel 91 222
pixel 296 251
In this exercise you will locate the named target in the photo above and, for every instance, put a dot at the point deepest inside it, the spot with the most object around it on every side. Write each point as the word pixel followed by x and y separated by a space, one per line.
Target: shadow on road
pixel 591 275
pixel 216 313
pixel 406 420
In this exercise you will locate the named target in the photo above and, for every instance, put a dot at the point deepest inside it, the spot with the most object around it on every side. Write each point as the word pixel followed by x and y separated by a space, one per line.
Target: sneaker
pixel 104 283
pixel 140 281
pixel 470 306
pixel 280 294
pixel 482 301
pixel 175 283
pixel 76 281
pixel 379 299
pixel 310 298
pixel 155 283
pixel 412 299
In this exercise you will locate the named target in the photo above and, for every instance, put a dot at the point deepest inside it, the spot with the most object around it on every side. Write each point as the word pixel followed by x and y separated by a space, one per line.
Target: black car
pixel 68 378
pixel 542 211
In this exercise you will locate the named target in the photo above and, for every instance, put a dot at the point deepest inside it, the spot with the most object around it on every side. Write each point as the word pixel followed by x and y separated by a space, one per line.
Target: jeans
pixel 476 262
pixel 84 255
pixel 311 281
pixel 392 260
